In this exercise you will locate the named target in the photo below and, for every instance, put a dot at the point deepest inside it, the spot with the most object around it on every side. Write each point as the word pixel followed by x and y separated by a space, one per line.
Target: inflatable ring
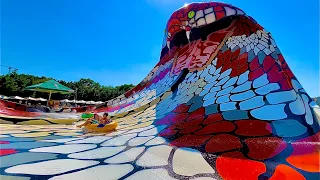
pixel 85 116
pixel 106 128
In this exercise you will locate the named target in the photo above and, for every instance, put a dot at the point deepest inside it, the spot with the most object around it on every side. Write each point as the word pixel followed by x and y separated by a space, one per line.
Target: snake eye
pixel 191 14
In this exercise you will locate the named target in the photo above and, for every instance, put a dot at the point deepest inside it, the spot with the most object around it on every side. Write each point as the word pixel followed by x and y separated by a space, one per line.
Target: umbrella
pixel 50 87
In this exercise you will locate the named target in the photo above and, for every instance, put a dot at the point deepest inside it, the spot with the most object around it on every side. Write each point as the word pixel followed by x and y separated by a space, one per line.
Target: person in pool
pixel 104 120
pixel 93 120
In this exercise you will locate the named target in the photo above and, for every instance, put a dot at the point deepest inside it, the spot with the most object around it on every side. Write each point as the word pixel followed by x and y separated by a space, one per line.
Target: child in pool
pixel 104 120
pixel 93 120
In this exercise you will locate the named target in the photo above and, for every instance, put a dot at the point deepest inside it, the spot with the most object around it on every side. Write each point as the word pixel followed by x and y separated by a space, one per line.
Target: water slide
pixel 221 103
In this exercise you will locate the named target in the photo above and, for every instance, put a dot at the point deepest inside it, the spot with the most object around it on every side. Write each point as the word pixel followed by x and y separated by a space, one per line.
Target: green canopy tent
pixel 50 87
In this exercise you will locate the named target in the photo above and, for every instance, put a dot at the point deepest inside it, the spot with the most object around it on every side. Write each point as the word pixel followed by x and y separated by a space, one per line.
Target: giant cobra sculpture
pixel 221 103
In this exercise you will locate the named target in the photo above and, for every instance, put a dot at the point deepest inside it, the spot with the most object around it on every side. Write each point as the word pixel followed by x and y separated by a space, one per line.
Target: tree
pixel 14 84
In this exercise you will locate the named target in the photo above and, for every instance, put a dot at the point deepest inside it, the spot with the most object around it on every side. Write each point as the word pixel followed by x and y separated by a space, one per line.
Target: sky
pixel 116 42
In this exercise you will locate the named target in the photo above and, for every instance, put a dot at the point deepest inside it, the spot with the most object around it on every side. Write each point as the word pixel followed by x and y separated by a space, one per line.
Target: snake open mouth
pixel 195 33
pixel 201 47
pixel 180 39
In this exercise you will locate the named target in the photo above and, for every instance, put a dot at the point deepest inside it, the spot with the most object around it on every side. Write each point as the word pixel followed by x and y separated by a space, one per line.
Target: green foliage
pixel 86 89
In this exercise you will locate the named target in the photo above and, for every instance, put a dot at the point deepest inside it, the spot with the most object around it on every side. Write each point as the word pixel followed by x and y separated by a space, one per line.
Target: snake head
pixel 196 15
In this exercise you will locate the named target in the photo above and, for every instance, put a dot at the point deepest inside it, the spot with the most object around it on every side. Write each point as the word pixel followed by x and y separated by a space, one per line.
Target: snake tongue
pixel 188 35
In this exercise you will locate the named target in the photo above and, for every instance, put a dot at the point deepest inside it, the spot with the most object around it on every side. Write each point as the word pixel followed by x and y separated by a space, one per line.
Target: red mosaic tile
pixel 218 127
pixel 289 73
pixel 242 69
pixel 213 118
pixel 190 140
pixel 219 15
pixel 181 108
pixel 190 129
pixel 179 118
pixel 255 74
pixel 196 113
pixel 268 63
pixel 218 8
pixel 234 73
pixel 265 147
pixel 223 142
pixel 235 63
pixel 274 74
pixel 193 122
pixel 286 85
pixel 243 58
pixel 285 172
pixel 225 67
pixel 281 59
pixel 4 152
pixel 253 128
pixel 233 165
pixel 306 150
pixel 235 54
